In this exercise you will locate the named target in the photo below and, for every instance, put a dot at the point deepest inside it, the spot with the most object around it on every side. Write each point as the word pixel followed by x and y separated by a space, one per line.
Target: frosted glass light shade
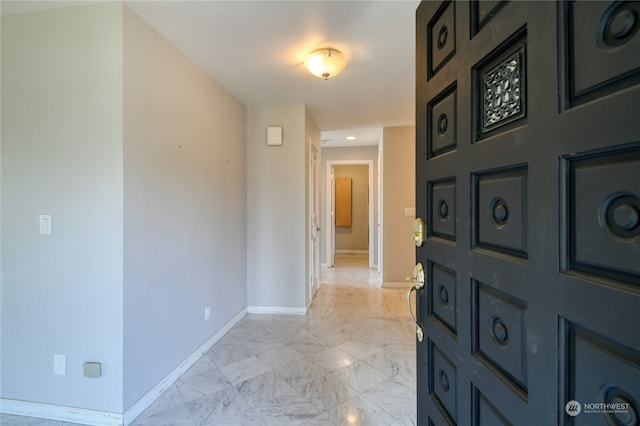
pixel 326 62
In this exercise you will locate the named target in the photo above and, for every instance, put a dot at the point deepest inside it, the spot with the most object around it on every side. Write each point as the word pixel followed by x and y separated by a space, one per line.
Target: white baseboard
pixel 60 413
pixel 103 418
pixel 396 284
pixel 363 252
pixel 148 398
pixel 326 266
pixel 281 310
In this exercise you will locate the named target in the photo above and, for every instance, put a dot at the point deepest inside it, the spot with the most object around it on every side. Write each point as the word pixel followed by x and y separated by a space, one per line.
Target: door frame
pixel 314 221
pixel 330 210
pixel 379 207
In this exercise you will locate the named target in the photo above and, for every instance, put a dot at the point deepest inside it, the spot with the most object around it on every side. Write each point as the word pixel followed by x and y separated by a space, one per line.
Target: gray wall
pixel 277 228
pixel 184 207
pixel 62 153
pixel 398 171
pixel 140 159
pixel 356 236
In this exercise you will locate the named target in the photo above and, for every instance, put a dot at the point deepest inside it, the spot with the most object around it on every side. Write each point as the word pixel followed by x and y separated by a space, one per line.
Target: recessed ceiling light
pixel 351 138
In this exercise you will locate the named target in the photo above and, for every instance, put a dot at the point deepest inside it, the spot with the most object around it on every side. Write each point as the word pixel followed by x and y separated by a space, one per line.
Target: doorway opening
pixel 354 237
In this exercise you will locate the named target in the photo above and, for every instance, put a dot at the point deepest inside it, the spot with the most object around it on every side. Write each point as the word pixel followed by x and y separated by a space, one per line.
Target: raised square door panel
pixel 442 116
pixel 443 382
pixel 500 211
pixel 482 11
pixel 599 48
pixel 499 334
pixel 601 375
pixel 484 412
pixel 442 208
pixel 603 217
pixel 443 296
pixel 441 32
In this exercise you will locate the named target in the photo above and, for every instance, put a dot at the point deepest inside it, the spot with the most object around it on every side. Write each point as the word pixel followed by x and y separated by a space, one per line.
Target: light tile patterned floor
pixel 349 361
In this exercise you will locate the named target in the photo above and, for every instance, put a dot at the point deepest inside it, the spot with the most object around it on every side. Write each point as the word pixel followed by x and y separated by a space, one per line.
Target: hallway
pixel 350 270
pixel 349 361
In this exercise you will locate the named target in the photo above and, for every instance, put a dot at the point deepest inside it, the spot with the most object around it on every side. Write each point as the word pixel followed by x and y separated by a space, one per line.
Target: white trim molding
pixel 277 310
pixel 359 252
pixel 60 413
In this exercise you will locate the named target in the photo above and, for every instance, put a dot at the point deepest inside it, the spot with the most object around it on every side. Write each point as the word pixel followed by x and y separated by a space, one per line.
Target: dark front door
pixel 528 180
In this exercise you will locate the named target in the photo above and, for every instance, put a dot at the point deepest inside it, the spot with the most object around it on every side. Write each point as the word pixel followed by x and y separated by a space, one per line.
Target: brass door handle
pixel 418 276
pixel 418 279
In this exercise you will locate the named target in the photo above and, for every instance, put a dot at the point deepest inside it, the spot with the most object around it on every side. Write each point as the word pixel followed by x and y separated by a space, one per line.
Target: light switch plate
pixel 45 224
pixel 410 211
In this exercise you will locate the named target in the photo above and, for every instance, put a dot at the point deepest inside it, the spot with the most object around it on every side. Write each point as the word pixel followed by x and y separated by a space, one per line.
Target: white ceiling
pixel 256 50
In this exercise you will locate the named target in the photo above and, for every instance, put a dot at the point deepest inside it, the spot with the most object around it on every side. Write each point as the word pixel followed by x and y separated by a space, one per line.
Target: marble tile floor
pixel 349 361
pixel 350 269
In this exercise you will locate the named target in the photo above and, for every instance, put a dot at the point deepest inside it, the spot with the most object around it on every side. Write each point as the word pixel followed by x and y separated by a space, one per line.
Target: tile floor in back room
pixel 349 361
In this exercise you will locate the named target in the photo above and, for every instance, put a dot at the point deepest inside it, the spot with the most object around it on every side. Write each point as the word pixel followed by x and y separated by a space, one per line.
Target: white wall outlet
pixel 59 365
pixel 207 312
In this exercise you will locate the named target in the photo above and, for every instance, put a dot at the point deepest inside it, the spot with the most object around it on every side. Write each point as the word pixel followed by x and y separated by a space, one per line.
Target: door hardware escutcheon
pixel 418 283
pixel 418 232
pixel 418 276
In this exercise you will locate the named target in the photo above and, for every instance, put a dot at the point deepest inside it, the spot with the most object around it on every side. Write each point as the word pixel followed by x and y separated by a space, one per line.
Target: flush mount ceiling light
pixel 326 62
